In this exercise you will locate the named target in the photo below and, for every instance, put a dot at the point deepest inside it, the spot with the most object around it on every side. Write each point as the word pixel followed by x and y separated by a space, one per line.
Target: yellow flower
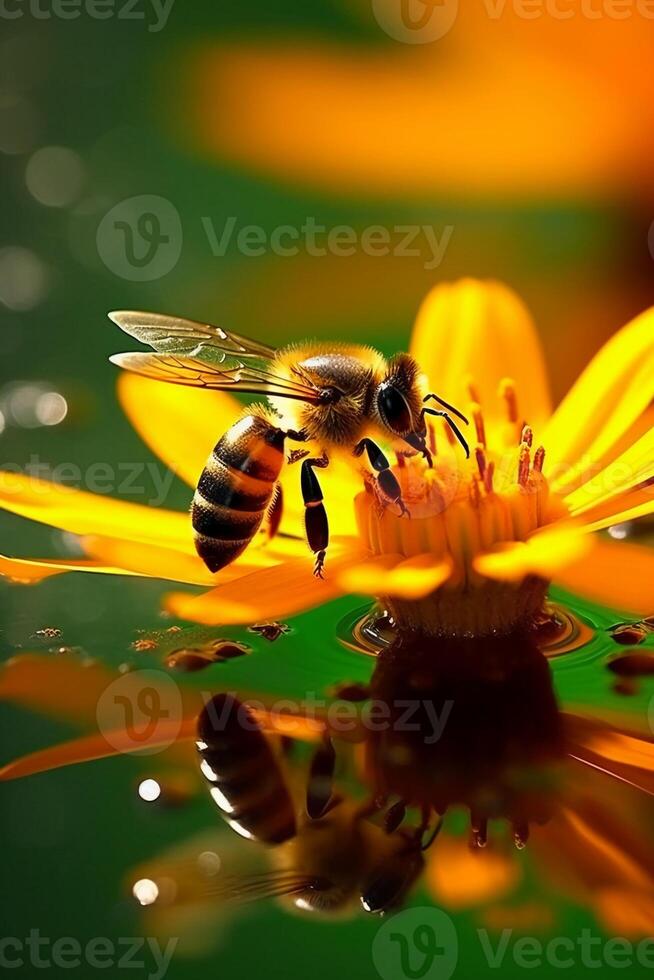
pixel 557 108
pixel 485 536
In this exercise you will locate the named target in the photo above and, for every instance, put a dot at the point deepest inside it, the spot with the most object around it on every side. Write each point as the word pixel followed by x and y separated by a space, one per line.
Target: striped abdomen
pixel 246 782
pixel 235 489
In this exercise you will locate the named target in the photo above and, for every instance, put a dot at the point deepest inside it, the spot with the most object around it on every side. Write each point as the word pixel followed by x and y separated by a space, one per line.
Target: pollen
pixel 460 509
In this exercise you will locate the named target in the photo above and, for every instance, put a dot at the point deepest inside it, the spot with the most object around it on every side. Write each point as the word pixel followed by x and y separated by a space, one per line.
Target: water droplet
pixel 23 278
pixel 209 863
pixel 145 891
pixel 149 790
pixel 54 176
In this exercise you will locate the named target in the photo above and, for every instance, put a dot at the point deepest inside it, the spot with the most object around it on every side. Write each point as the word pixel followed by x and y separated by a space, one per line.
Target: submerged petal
pixel 611 394
pixel 481 332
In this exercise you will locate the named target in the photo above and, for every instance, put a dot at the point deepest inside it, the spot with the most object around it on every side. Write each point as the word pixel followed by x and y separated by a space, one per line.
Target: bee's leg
pixel 453 426
pixel 426 842
pixel 274 512
pixel 446 405
pixel 296 455
pixel 315 519
pixel 320 783
pixel 386 480
pixel 394 816
pixel 417 442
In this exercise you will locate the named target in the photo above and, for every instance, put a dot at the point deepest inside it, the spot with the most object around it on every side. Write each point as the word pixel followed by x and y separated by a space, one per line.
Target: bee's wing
pixel 250 378
pixel 174 334
pixel 216 869
pixel 191 889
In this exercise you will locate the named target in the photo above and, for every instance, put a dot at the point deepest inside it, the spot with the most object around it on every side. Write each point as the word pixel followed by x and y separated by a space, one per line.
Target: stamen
pixel 527 435
pixel 523 465
pixel 401 462
pixel 539 459
pixel 480 456
pixel 475 496
pixel 479 424
pixel 473 390
pixel 488 477
pixel 508 393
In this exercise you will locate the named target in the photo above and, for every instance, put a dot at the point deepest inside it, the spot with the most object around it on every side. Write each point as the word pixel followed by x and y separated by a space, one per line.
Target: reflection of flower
pixel 576 790
pixel 593 848
pixel 485 535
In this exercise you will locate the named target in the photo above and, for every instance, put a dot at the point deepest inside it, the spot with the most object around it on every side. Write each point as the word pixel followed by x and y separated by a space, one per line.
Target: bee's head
pixel 397 397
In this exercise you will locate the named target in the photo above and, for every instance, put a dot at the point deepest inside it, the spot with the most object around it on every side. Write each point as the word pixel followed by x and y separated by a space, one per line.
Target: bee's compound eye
pixel 394 409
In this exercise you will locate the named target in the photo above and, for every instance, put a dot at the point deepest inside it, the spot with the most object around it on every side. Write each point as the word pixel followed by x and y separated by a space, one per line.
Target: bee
pixel 340 397
pixel 328 856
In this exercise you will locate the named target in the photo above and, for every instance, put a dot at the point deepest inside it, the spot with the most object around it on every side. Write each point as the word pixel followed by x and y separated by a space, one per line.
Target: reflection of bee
pixel 326 857
pixel 334 396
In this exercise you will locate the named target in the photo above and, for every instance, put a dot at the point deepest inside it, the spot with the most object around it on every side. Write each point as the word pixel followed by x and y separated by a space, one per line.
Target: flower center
pixel 460 509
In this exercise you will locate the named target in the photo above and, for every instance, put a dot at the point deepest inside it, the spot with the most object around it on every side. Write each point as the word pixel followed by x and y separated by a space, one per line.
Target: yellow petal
pixel 618 575
pixel 86 513
pixel 395 575
pixel 623 507
pixel 628 472
pixel 543 554
pixel 180 425
pixel 530 114
pixel 613 391
pixel 27 571
pixel 481 331
pixel 150 560
pixel 269 593
pixel 174 566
